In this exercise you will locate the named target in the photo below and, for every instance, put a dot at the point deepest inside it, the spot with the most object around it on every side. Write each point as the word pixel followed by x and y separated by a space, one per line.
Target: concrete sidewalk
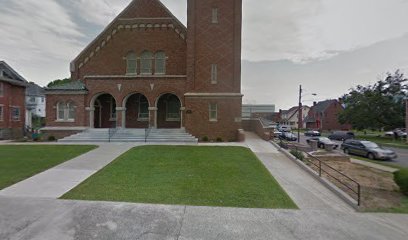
pixel 58 180
pixel 305 191
pixel 50 219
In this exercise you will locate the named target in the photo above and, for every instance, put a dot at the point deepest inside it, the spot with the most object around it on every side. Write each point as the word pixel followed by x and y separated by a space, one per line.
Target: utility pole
pixel 300 113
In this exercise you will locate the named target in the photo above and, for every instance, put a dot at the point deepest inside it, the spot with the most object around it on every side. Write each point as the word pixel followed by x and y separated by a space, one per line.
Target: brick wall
pixel 80 112
pixel 14 96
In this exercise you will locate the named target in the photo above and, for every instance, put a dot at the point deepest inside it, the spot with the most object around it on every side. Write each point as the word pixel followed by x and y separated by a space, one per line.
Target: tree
pixel 378 106
pixel 59 82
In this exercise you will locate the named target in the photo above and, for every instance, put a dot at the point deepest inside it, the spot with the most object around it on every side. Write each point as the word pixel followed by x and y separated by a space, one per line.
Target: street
pixel 402 159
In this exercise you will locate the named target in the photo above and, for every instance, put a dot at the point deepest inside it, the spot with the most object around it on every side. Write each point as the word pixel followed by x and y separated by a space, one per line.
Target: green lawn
pixel 384 141
pixel 18 162
pixel 186 175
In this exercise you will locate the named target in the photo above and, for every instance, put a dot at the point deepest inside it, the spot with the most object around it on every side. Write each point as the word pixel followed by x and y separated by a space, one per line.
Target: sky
pixel 327 46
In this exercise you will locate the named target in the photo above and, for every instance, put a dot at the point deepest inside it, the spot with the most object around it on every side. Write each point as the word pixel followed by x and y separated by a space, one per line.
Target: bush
pixel 51 138
pixel 298 154
pixel 401 178
pixel 205 139
pixel 219 139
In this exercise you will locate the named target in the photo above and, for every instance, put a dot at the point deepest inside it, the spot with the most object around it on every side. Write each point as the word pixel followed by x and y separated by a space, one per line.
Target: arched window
pixel 160 60
pixel 146 62
pixel 131 62
pixel 70 111
pixel 60 111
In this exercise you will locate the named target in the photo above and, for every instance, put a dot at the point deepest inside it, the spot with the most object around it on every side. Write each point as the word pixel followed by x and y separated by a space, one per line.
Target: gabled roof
pixel 10 75
pixel 34 90
pixel 137 9
pixel 322 106
pixel 71 86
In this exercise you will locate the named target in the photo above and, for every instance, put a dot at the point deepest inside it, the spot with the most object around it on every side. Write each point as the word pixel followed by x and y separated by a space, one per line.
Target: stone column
pixel 91 111
pixel 153 117
pixel 119 117
pixel 182 110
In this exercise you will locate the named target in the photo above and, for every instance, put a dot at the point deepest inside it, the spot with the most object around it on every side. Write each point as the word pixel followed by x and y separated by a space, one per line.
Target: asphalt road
pixel 402 159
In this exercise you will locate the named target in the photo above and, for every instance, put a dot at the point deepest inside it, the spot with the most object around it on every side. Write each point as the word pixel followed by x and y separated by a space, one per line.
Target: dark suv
pixel 341 135
pixel 367 149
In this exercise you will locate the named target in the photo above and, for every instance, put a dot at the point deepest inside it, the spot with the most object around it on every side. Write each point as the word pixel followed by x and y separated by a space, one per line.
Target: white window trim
pixel 2 113
pixel 211 110
pixel 155 64
pixel 214 73
pixel 127 65
pixel 142 59
pixel 66 112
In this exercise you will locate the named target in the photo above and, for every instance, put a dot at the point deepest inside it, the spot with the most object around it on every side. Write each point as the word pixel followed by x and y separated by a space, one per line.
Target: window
pixel 15 114
pixel 131 61
pixel 146 62
pixel 42 99
pixel 214 15
pixel 160 59
pixel 173 109
pixel 112 109
pixel 66 112
pixel 1 89
pixel 213 112
pixel 143 109
pixel 32 99
pixel 70 111
pixel 214 73
pixel 1 113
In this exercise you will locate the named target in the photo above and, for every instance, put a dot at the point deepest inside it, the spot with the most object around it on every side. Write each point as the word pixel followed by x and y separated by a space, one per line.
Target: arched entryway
pixel 137 111
pixel 104 115
pixel 168 111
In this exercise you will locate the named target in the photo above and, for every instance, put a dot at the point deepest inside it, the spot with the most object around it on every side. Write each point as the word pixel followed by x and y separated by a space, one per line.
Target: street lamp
pixel 300 112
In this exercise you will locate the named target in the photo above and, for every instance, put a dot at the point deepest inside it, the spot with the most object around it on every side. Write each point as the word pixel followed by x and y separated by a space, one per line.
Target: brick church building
pixel 146 69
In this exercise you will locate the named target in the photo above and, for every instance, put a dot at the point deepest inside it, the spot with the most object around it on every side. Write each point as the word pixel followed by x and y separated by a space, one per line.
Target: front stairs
pixel 152 135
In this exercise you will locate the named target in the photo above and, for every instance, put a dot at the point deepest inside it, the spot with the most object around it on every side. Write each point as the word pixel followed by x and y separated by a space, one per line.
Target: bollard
pixel 313 144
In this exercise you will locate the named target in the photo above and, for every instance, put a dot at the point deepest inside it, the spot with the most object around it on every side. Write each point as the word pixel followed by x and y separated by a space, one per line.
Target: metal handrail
pixel 147 132
pixel 112 131
pixel 321 170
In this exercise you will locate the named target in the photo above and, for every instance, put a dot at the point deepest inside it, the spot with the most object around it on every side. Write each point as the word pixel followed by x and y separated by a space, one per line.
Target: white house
pixel 35 103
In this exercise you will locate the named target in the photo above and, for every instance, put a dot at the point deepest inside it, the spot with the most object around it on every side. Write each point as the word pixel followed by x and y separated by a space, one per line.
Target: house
pixel 12 102
pixel 35 104
pixel 291 117
pixel 147 70
pixel 324 116
pixel 258 111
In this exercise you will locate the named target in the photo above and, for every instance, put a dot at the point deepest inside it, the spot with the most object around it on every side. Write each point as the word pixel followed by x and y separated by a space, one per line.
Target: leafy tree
pixel 378 106
pixel 59 82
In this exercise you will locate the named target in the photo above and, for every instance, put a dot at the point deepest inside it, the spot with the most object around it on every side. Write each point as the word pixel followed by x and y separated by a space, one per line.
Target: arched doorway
pixel 137 111
pixel 105 111
pixel 168 111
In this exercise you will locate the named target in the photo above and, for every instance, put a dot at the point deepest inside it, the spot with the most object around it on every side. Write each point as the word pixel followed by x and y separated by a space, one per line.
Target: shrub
pixel 205 139
pixel 298 154
pixel 51 138
pixel 401 178
pixel 219 139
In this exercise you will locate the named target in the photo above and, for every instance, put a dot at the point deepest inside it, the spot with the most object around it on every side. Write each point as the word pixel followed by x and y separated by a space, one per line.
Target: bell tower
pixel 214 32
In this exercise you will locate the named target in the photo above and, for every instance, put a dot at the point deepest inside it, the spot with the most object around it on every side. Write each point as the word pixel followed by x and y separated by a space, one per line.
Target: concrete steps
pixel 132 135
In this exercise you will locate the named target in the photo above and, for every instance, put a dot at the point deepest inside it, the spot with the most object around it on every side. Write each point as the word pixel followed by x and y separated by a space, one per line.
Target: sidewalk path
pixel 305 191
pixel 58 180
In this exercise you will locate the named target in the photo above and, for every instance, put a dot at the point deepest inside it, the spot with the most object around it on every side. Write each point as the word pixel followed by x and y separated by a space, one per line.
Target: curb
pixel 340 193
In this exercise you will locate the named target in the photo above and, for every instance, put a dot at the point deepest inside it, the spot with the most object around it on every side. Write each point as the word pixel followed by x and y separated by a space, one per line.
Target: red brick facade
pixel 324 116
pixel 202 69
pixel 11 96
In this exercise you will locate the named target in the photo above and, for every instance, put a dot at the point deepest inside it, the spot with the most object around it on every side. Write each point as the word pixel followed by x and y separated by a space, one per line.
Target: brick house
pixel 12 102
pixel 324 116
pixel 146 69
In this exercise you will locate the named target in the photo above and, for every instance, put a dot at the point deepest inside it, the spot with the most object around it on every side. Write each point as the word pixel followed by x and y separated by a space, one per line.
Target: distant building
pixel 291 117
pixel 257 111
pixel 35 103
pixel 12 102
pixel 324 116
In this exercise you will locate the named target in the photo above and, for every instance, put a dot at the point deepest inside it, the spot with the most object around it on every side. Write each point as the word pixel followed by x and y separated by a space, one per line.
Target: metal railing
pixel 349 184
pixel 112 131
pixel 147 132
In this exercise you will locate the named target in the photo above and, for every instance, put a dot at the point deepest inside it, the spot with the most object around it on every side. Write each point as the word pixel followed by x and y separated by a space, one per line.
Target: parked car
pixel 322 141
pixel 341 135
pixel 401 132
pixel 367 149
pixel 284 128
pixel 312 133
pixel 288 136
